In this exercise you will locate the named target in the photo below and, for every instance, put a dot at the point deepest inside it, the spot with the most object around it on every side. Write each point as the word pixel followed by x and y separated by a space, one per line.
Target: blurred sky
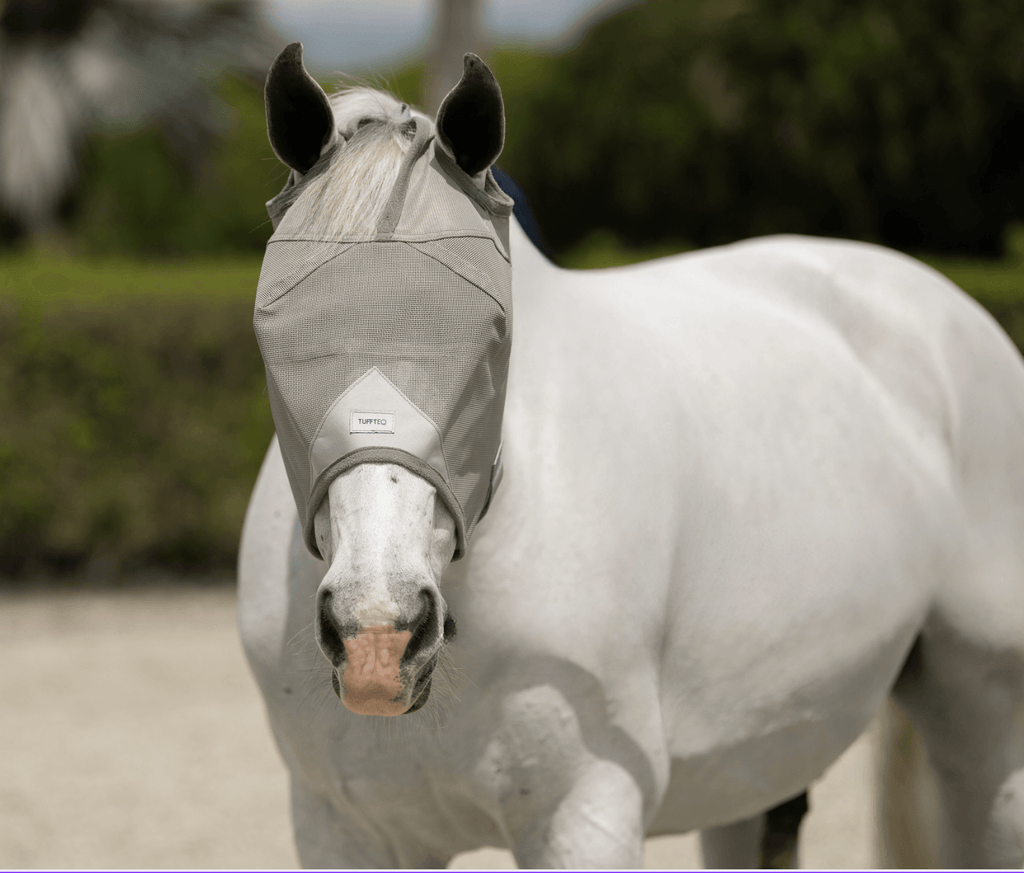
pixel 358 35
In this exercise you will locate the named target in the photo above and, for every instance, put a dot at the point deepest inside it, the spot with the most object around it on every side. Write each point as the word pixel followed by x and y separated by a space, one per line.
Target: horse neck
pixel 528 265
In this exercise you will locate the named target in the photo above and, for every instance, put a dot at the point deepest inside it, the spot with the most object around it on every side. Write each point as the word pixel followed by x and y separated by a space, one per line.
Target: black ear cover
pixel 299 116
pixel 471 120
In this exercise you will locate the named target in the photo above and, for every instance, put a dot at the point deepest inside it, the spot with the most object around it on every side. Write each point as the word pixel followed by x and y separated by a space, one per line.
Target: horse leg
pixel 325 838
pixel 907 806
pixel 768 840
pixel 782 829
pixel 967 701
pixel 597 822
pixel 734 846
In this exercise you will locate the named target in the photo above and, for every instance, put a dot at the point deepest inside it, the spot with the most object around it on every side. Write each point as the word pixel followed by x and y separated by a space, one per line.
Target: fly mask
pixel 390 344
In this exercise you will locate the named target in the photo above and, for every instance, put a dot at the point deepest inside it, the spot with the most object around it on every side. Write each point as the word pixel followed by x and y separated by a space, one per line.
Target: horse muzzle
pixel 385 669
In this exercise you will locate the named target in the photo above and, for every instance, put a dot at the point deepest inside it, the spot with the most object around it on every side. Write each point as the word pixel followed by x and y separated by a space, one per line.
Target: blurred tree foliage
pixel 686 122
pixel 136 194
pixel 714 120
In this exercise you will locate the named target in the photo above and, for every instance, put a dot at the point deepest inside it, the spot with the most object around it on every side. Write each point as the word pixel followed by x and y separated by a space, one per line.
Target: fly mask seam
pixel 287 283
pixel 460 266
pixel 393 211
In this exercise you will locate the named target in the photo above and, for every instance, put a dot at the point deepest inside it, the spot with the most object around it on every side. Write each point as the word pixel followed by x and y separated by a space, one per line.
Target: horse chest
pixel 448 780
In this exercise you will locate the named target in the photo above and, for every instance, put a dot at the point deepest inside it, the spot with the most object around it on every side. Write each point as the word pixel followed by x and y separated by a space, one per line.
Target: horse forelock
pixel 353 105
pixel 349 193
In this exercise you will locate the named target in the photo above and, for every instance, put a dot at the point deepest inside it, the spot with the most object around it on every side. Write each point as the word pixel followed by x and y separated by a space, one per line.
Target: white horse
pixel 748 493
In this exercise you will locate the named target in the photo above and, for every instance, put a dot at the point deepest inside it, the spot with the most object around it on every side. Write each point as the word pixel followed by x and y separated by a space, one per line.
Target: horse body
pixel 728 511
pixel 747 493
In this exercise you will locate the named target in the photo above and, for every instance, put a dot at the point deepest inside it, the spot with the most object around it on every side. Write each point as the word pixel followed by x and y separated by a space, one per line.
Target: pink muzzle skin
pixel 371 678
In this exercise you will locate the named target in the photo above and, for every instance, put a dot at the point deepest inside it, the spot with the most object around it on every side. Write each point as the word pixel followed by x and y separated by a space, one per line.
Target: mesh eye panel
pixel 427 306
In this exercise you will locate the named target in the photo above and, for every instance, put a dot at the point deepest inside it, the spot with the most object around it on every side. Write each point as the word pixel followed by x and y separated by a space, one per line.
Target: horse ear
pixel 299 116
pixel 471 120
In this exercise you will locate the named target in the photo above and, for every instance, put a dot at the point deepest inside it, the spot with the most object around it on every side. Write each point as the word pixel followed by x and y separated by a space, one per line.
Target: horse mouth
pixel 423 696
pixel 421 690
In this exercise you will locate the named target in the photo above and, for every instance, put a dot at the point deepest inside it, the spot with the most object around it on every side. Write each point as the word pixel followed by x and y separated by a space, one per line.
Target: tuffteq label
pixel 372 422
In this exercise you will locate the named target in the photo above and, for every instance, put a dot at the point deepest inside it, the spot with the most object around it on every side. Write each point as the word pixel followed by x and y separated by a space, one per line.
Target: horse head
pixel 384 318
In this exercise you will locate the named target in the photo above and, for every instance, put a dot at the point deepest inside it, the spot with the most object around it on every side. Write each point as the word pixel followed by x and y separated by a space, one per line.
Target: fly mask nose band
pixel 392 345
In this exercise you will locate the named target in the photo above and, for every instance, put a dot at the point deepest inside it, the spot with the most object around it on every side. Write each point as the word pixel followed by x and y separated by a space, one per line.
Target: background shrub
pixel 133 415
pixel 710 121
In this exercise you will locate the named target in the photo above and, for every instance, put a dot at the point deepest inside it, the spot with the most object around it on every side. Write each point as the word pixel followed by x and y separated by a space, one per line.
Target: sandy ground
pixel 131 735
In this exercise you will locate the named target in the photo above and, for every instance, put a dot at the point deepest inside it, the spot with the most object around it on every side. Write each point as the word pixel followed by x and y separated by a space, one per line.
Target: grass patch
pixel 42 280
pixel 601 249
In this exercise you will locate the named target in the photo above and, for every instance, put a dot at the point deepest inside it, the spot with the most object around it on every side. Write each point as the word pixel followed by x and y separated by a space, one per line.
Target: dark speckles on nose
pixel 394 478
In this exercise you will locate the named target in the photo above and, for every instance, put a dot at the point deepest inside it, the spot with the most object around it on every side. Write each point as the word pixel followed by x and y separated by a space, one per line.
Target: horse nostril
pixel 329 634
pixel 424 627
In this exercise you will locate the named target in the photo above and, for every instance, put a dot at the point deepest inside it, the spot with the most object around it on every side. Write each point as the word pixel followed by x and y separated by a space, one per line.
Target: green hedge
pixel 134 415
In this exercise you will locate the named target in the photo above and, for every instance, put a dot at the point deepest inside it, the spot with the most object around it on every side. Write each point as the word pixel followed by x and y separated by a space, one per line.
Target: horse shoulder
pixel 277 579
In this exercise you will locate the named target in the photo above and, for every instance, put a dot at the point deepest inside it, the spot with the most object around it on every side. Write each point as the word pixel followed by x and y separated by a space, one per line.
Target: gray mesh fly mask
pixel 393 346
